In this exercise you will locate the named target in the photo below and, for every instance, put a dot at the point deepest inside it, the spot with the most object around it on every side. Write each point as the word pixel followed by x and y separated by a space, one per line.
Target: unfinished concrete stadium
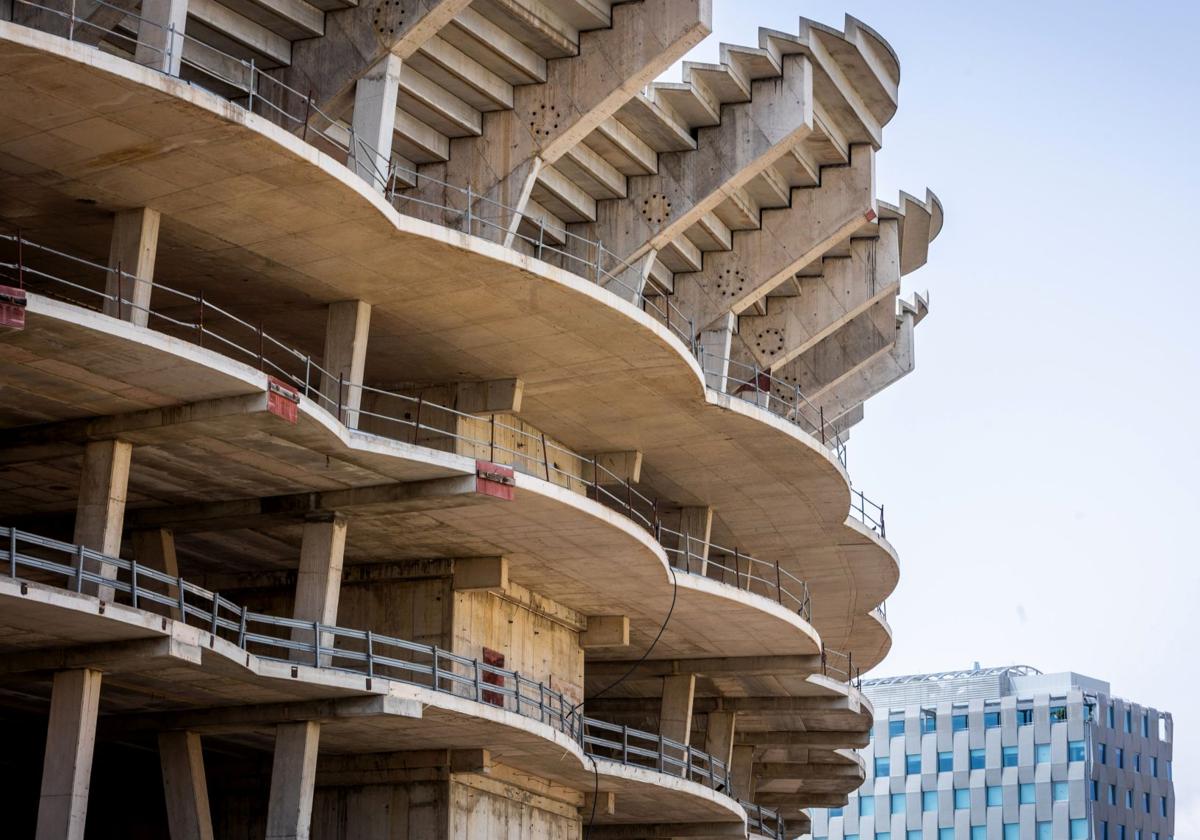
pixel 420 422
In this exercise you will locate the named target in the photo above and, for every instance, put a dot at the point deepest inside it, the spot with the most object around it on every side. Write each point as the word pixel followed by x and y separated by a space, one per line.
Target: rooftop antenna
pixel 976 664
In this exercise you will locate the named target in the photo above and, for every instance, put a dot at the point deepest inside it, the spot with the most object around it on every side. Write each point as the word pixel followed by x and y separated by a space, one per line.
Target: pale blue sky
pixel 1040 466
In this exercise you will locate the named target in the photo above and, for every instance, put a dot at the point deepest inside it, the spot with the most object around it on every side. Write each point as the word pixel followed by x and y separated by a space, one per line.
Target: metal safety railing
pixel 388 413
pixel 867 512
pixel 655 752
pixel 736 568
pixel 759 386
pixel 32 558
pixel 839 665
pixel 763 821
pixel 475 212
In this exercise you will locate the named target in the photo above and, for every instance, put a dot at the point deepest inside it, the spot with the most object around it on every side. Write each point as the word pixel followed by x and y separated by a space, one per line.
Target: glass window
pixel 1129 799
pixel 914 834
pixel 1095 791
pixel 895 728
pixel 962 798
pixel 995 795
pixel 1170 776
pixel 1089 712
pixel 1041 753
pixel 1121 832
pixel 1112 794
pixel 1112 716
pixel 1012 831
pixel 1079 830
pixel 1162 805
pixel 960 723
pixel 1128 722
pixel 883 767
pixel 883 835
pixel 849 837
pixel 866 806
pixel 1043 831
pixel 1076 751
pixel 1145 724
pixel 1154 766
pixel 1103 825
pixel 1146 802
pixel 1024 717
pixel 1008 756
pixel 1102 753
pixel 1026 794
pixel 1137 762
pixel 945 834
pixel 912 764
pixel 898 803
pixel 1058 714
pixel 835 812
pixel 991 720
pixel 1120 755
pixel 928 721
pixel 929 800
pixel 1059 791
pixel 945 762
pixel 978 759
pixel 979 832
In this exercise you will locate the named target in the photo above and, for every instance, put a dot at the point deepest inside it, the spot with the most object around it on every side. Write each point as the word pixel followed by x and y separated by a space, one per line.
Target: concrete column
pixel 185 786
pixel 695 524
pixel 319 582
pixel 347 325
pixel 375 119
pixel 742 771
pixel 293 772
pixel 715 349
pixel 100 512
pixel 67 770
pixel 133 248
pixel 718 738
pixel 675 718
pixel 156 549
pixel 630 281
pixel 160 35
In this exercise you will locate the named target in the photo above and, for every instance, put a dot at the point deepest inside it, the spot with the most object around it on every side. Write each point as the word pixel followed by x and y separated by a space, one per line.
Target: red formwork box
pixel 12 308
pixel 282 399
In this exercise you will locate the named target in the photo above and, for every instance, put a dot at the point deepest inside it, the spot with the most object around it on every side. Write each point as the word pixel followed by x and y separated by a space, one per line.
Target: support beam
pixel 741 771
pixel 293 774
pixel 750 666
pixel 821 739
pixel 580 92
pixel 347 326
pixel 689 185
pixel 223 720
pixel 601 804
pixel 481 574
pixel 695 529
pixel 319 582
pixel 132 656
pixel 160 35
pixel 67 769
pixel 789 239
pixel 665 831
pixel 131 255
pixel 605 632
pixel 715 350
pixel 805 770
pixel 185 786
pixel 375 120
pixel 100 511
pixel 618 467
pixel 830 705
pixel 155 548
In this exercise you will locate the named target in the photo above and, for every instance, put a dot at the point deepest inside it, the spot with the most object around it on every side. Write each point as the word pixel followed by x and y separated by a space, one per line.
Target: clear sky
pixel 1040 467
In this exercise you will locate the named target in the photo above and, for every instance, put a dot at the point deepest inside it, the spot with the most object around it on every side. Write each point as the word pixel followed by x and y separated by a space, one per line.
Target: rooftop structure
pixel 1008 754
pixel 419 421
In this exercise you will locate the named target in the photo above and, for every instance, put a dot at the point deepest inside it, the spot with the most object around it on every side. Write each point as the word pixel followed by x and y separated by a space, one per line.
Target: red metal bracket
pixel 282 399
pixel 495 480
pixel 870 215
pixel 12 307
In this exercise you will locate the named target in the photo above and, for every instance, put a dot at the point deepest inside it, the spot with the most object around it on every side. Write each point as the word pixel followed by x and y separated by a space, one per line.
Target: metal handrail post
pixel 241 643
pixel 316 644
pixel 79 569
pixel 216 606
pixel 200 318
pixel 182 602
pixel 12 552
pixel 250 104
pixel 468 217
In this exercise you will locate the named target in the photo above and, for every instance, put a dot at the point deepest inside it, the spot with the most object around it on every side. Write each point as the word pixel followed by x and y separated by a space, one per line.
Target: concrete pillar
pixel 67 770
pixel 156 548
pixel 347 325
pixel 100 512
pixel 695 524
pixel 742 771
pixel 718 738
pixel 293 772
pixel 629 282
pixel 133 248
pixel 160 35
pixel 185 786
pixel 715 346
pixel 675 718
pixel 375 119
pixel 319 581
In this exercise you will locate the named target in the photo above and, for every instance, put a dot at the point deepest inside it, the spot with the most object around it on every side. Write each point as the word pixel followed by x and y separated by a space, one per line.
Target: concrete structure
pixel 420 422
pixel 1008 754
